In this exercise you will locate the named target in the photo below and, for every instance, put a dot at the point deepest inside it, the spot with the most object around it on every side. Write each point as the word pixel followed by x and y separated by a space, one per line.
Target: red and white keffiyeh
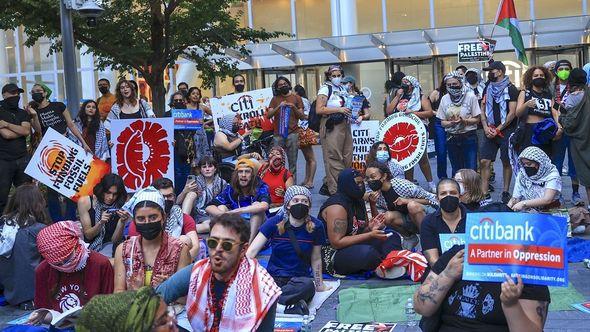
pixel 249 297
pixel 414 263
pixel 62 246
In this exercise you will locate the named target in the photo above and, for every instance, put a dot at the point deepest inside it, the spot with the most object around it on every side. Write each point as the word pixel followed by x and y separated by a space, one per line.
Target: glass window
pixel 408 15
pixel 272 15
pixel 313 18
pixel 422 71
pixel 7 52
pixel 371 81
pixel 47 79
pixel 37 57
pixel 369 16
pixel 456 12
pixel 551 8
pixel 523 10
pixel 239 10
pixel 311 86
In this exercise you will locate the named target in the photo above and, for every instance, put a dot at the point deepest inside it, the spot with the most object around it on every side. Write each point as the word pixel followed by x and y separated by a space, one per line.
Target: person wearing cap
pixel 151 257
pixel 70 273
pixel 15 126
pixel 247 195
pixel 335 133
pixel 498 113
pixel 350 84
pixel 296 239
pixel 575 119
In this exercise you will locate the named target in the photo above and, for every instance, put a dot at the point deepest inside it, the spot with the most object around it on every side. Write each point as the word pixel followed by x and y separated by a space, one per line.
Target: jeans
pixel 181 172
pixel 54 207
pixel 440 144
pixel 558 157
pixel 13 173
pixel 365 256
pixel 294 289
pixel 463 151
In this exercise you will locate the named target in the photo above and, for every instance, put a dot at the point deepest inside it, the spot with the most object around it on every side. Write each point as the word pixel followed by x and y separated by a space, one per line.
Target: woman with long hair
pixel 195 101
pixel 93 131
pixel 307 139
pixel 26 215
pixel 276 175
pixel 470 189
pixel 379 152
pixel 128 105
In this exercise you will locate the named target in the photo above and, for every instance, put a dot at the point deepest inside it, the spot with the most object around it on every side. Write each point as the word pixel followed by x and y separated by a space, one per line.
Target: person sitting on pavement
pixel 449 218
pixel 228 142
pixel 70 274
pixel 246 195
pixel 276 175
pixel 153 256
pixel 357 244
pixel 103 220
pixel 296 239
pixel 379 152
pixel 405 203
pixel 178 224
pixel 538 183
pixel 472 197
pixel 199 192
pixel 479 306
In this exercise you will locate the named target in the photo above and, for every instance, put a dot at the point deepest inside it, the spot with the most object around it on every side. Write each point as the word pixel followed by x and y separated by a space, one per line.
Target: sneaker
pixel 408 243
pixel 491 188
pixel 390 274
pixel 506 197
pixel 299 308
pixel 577 199
pixel 324 190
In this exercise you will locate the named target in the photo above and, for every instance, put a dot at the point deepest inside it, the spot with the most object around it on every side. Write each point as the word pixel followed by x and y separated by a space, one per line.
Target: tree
pixel 145 35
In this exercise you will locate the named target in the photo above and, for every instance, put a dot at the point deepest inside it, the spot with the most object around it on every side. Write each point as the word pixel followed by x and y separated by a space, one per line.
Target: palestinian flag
pixel 507 19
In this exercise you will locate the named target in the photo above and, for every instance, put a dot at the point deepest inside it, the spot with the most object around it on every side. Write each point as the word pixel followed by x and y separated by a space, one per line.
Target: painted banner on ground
pixel 187 119
pixel 447 241
pixel 532 245
pixel 475 51
pixel 251 106
pixel 406 136
pixel 142 150
pixel 363 136
pixel 65 167
pixel 335 326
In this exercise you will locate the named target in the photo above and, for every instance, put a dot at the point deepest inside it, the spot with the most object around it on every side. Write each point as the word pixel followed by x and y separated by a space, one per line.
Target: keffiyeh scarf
pixel 175 221
pixel 457 95
pixel 415 102
pixel 497 92
pixel 62 246
pixel 547 171
pixel 99 208
pixel 225 125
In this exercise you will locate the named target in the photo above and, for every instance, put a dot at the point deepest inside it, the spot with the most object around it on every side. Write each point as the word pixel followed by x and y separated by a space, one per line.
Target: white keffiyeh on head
pixel 150 194
pixel 547 171
pixel 415 102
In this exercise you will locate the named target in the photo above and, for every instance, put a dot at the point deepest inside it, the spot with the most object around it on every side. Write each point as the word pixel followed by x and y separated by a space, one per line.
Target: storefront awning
pixel 408 44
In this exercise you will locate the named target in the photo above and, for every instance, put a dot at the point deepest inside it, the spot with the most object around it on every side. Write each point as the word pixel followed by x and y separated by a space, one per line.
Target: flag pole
pixel 496 19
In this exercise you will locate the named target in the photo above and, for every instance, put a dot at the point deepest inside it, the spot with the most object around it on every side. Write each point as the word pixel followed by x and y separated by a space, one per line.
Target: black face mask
pixel 12 102
pixel 178 105
pixel 103 89
pixel 235 128
pixel 38 96
pixel 168 206
pixel 299 211
pixel 539 82
pixel 375 184
pixel 449 203
pixel 149 231
pixel 492 77
pixel 405 87
pixel 239 87
pixel 284 90
pixel 530 171
pixel 471 79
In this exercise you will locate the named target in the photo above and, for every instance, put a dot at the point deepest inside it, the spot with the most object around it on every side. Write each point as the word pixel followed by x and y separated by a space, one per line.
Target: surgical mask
pixel 375 185
pixel 168 206
pixel 299 211
pixel 336 80
pixel 471 79
pixel 103 89
pixel 284 89
pixel 539 82
pixel 449 203
pixel 382 156
pixel 239 87
pixel 563 74
pixel 37 96
pixel 150 230
pixel 12 102
pixel 530 170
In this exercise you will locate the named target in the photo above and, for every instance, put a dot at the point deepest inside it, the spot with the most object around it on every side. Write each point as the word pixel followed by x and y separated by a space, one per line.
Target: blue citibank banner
pixel 531 245
pixel 187 119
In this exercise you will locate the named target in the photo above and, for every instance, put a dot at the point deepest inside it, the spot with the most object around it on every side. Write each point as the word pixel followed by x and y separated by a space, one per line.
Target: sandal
pixel 390 274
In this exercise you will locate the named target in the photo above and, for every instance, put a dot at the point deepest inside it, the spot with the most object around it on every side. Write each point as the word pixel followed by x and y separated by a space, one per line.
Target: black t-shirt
pixel 475 305
pixel 12 149
pixel 433 225
pixel 512 96
pixel 52 116
pixel 390 197
pixel 543 107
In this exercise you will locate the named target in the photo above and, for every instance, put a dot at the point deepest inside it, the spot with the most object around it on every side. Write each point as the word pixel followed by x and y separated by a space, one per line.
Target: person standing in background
pixel 307 139
pixel 440 135
pixel 106 100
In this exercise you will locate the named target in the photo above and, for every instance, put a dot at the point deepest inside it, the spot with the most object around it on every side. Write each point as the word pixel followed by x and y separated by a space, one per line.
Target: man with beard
pixel 227 291
pixel 178 224
pixel 246 195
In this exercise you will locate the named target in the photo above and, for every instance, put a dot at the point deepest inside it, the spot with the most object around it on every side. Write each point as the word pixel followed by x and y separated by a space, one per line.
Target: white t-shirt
pixel 468 109
pixel 337 97
pixel 535 191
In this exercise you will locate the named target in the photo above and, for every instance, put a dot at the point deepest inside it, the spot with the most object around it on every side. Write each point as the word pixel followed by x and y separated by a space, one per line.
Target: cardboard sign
pixel 363 136
pixel 250 106
pixel 187 119
pixel 334 326
pixel 142 151
pixel 532 245
pixel 447 241
pixel 65 167
pixel 475 51
pixel 406 136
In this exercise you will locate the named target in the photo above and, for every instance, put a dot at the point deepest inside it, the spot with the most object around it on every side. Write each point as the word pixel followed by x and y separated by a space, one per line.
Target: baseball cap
pixel 496 65
pixel 562 62
pixel 11 87
pixel 349 79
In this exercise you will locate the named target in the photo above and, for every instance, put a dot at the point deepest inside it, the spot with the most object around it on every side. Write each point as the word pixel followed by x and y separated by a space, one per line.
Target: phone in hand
pixel 191 177
pixel 113 210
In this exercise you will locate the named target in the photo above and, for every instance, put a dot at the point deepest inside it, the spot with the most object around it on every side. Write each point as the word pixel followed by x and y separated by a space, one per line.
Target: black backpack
pixel 314 119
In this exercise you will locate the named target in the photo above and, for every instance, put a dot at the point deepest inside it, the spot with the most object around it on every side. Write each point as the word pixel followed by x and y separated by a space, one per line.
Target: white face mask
pixel 336 80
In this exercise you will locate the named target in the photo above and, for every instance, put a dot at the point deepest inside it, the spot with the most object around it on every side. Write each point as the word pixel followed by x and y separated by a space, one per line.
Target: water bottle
pixel 410 313
pixel 305 326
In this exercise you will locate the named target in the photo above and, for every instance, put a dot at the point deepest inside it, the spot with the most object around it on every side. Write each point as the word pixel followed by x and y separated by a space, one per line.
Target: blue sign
pixel 531 245
pixel 187 119
pixel 447 241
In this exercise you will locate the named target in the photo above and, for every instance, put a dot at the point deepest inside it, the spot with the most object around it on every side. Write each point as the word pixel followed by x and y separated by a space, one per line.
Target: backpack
pixel 314 119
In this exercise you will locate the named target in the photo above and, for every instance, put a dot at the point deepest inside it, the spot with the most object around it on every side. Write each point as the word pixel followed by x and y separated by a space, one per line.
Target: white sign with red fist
pixel 406 136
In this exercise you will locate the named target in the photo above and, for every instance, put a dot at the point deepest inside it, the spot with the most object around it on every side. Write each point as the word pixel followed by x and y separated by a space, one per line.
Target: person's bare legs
pixel 203 227
pixel 255 222
pixel 485 174
pixel 310 165
pixel 189 202
pixel 425 167
pixel 507 172
pixel 417 213
pixel 395 220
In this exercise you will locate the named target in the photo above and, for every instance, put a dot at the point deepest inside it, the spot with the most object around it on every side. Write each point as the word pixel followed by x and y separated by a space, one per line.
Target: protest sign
pixel 406 136
pixel 363 136
pixel 142 151
pixel 65 167
pixel 334 326
pixel 475 51
pixel 187 119
pixel 447 241
pixel 251 106
pixel 531 245
pixel 284 117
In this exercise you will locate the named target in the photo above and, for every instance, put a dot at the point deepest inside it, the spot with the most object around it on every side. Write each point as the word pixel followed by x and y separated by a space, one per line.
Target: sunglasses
pixel 226 245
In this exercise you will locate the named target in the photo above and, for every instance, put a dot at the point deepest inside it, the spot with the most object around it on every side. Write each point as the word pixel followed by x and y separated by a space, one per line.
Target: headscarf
pixel 457 95
pixel 226 123
pixel 586 68
pixel 150 194
pixel 547 171
pixel 62 246
pixel 350 192
pixel 415 102
pixel 291 192
pixel 131 311
pixel 496 93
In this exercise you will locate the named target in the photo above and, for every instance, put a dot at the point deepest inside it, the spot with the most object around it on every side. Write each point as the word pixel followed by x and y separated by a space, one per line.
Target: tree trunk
pixel 156 81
